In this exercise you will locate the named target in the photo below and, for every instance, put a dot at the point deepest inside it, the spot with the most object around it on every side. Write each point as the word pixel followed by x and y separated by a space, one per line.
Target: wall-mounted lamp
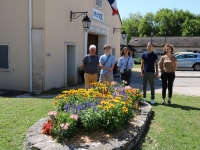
pixel 124 35
pixel 86 20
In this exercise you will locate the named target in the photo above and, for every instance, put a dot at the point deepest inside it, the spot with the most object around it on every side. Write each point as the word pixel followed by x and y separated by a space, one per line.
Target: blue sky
pixel 143 6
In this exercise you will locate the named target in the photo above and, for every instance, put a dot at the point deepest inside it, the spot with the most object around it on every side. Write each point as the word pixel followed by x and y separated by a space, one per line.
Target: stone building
pixel 181 44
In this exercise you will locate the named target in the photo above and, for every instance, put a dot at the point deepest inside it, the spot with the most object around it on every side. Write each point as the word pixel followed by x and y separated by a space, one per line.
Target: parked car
pixel 188 60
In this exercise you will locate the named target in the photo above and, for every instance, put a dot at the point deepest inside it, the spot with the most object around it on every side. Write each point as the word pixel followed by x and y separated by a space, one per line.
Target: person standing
pixel 149 70
pixel 90 66
pixel 106 63
pixel 168 66
pixel 125 64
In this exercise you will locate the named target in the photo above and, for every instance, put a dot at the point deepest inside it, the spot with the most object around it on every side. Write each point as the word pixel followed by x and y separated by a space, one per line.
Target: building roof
pixel 159 41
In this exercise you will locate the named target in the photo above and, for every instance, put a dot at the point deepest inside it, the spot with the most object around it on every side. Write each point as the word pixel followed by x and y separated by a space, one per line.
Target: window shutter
pixel 4 56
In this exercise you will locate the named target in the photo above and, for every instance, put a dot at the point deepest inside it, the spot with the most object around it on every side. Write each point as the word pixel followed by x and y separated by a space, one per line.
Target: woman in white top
pixel 125 64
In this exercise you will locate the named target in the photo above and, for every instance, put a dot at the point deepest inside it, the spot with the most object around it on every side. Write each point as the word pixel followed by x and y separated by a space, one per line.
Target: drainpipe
pixel 85 43
pixel 30 43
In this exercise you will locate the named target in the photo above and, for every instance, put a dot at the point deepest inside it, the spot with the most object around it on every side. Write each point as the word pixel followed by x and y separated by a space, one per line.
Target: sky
pixel 144 6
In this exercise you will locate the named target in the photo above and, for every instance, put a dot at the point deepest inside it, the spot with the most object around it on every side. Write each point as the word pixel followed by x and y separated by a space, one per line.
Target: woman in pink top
pixel 168 65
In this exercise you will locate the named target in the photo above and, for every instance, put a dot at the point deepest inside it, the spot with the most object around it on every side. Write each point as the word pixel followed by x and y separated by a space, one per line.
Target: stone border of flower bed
pixel 35 140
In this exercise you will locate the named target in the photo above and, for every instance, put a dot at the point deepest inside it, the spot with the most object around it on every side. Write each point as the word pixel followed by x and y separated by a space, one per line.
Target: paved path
pixel 177 89
pixel 137 83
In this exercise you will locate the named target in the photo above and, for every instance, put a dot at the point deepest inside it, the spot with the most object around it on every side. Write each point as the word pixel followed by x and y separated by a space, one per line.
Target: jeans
pixel 148 76
pixel 167 82
pixel 127 77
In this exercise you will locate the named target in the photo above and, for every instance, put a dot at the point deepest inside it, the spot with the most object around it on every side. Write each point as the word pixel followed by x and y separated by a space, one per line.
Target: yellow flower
pixel 116 100
pixel 105 108
pixel 125 109
pixel 123 103
pixel 54 103
pixel 102 102
pixel 111 106
pixel 99 106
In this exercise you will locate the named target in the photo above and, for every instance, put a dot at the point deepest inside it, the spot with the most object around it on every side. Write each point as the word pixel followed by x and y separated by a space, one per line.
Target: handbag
pixel 115 70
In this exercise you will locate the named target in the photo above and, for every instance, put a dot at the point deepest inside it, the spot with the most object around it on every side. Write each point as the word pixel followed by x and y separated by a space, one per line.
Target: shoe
pixel 144 99
pixel 152 101
pixel 163 102
pixel 169 102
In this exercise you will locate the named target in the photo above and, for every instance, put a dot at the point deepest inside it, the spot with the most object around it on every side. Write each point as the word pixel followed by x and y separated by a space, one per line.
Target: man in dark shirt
pixel 90 65
pixel 149 64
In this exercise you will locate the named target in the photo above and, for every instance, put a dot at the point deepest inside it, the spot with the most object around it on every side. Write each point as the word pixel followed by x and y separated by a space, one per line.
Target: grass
pixel 17 116
pixel 174 127
pixel 137 60
pixel 137 66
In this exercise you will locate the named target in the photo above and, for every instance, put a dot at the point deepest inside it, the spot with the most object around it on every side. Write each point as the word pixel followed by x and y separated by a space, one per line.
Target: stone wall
pixel 35 140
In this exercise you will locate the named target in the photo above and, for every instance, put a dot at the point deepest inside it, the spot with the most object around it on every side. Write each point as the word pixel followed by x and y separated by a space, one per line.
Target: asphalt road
pixel 178 82
pixel 182 86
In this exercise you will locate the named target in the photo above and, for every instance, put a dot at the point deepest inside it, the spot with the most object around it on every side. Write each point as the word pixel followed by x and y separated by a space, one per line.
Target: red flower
pixel 47 127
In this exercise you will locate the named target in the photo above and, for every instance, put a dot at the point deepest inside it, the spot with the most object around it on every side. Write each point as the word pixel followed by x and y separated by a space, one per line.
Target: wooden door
pixel 92 39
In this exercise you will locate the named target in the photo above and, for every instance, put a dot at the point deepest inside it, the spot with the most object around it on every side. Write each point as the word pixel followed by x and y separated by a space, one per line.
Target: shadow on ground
pixel 12 93
pixel 144 136
pixel 187 108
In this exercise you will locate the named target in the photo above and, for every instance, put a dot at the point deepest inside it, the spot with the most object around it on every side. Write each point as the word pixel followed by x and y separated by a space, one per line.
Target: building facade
pixel 40 48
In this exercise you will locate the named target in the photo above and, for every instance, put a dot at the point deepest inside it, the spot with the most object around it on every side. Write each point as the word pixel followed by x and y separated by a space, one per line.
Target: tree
pixel 147 25
pixel 131 25
pixel 191 27
pixel 165 22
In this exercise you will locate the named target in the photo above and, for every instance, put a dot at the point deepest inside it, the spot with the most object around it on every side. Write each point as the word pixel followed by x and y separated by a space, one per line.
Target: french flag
pixel 113 4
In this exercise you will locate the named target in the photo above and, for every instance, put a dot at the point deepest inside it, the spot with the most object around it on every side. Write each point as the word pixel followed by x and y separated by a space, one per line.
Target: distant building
pixel 181 44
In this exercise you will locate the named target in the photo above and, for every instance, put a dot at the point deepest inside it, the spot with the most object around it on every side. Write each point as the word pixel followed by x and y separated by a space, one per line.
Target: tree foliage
pixel 165 22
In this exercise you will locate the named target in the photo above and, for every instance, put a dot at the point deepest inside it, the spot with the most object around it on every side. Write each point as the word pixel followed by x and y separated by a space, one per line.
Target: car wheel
pixel 197 67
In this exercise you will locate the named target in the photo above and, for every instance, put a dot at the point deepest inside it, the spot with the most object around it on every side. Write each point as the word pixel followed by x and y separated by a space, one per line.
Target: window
pixel 113 51
pixel 3 56
pixel 179 56
pixel 190 56
pixel 99 3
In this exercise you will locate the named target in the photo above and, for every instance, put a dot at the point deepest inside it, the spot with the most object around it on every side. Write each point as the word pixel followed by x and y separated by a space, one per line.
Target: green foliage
pixel 131 25
pixel 64 125
pixel 137 60
pixel 165 22
pixel 90 119
pixel 106 105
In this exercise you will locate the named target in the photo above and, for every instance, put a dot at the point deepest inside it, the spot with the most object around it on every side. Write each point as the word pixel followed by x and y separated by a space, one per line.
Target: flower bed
pixel 105 106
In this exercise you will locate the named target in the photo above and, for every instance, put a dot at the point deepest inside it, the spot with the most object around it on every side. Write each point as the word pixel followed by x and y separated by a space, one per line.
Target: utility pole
pixel 151 36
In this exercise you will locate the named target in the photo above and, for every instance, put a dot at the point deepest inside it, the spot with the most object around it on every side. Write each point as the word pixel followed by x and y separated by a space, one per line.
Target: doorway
pixel 70 64
pixel 92 39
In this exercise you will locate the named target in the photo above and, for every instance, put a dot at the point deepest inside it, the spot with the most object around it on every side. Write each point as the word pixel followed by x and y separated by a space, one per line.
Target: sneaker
pixel 169 102
pixel 144 99
pixel 152 101
pixel 163 102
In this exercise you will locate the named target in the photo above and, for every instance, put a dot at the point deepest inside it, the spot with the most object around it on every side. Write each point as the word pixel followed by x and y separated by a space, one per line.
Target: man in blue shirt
pixel 106 63
pixel 90 65
pixel 149 64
